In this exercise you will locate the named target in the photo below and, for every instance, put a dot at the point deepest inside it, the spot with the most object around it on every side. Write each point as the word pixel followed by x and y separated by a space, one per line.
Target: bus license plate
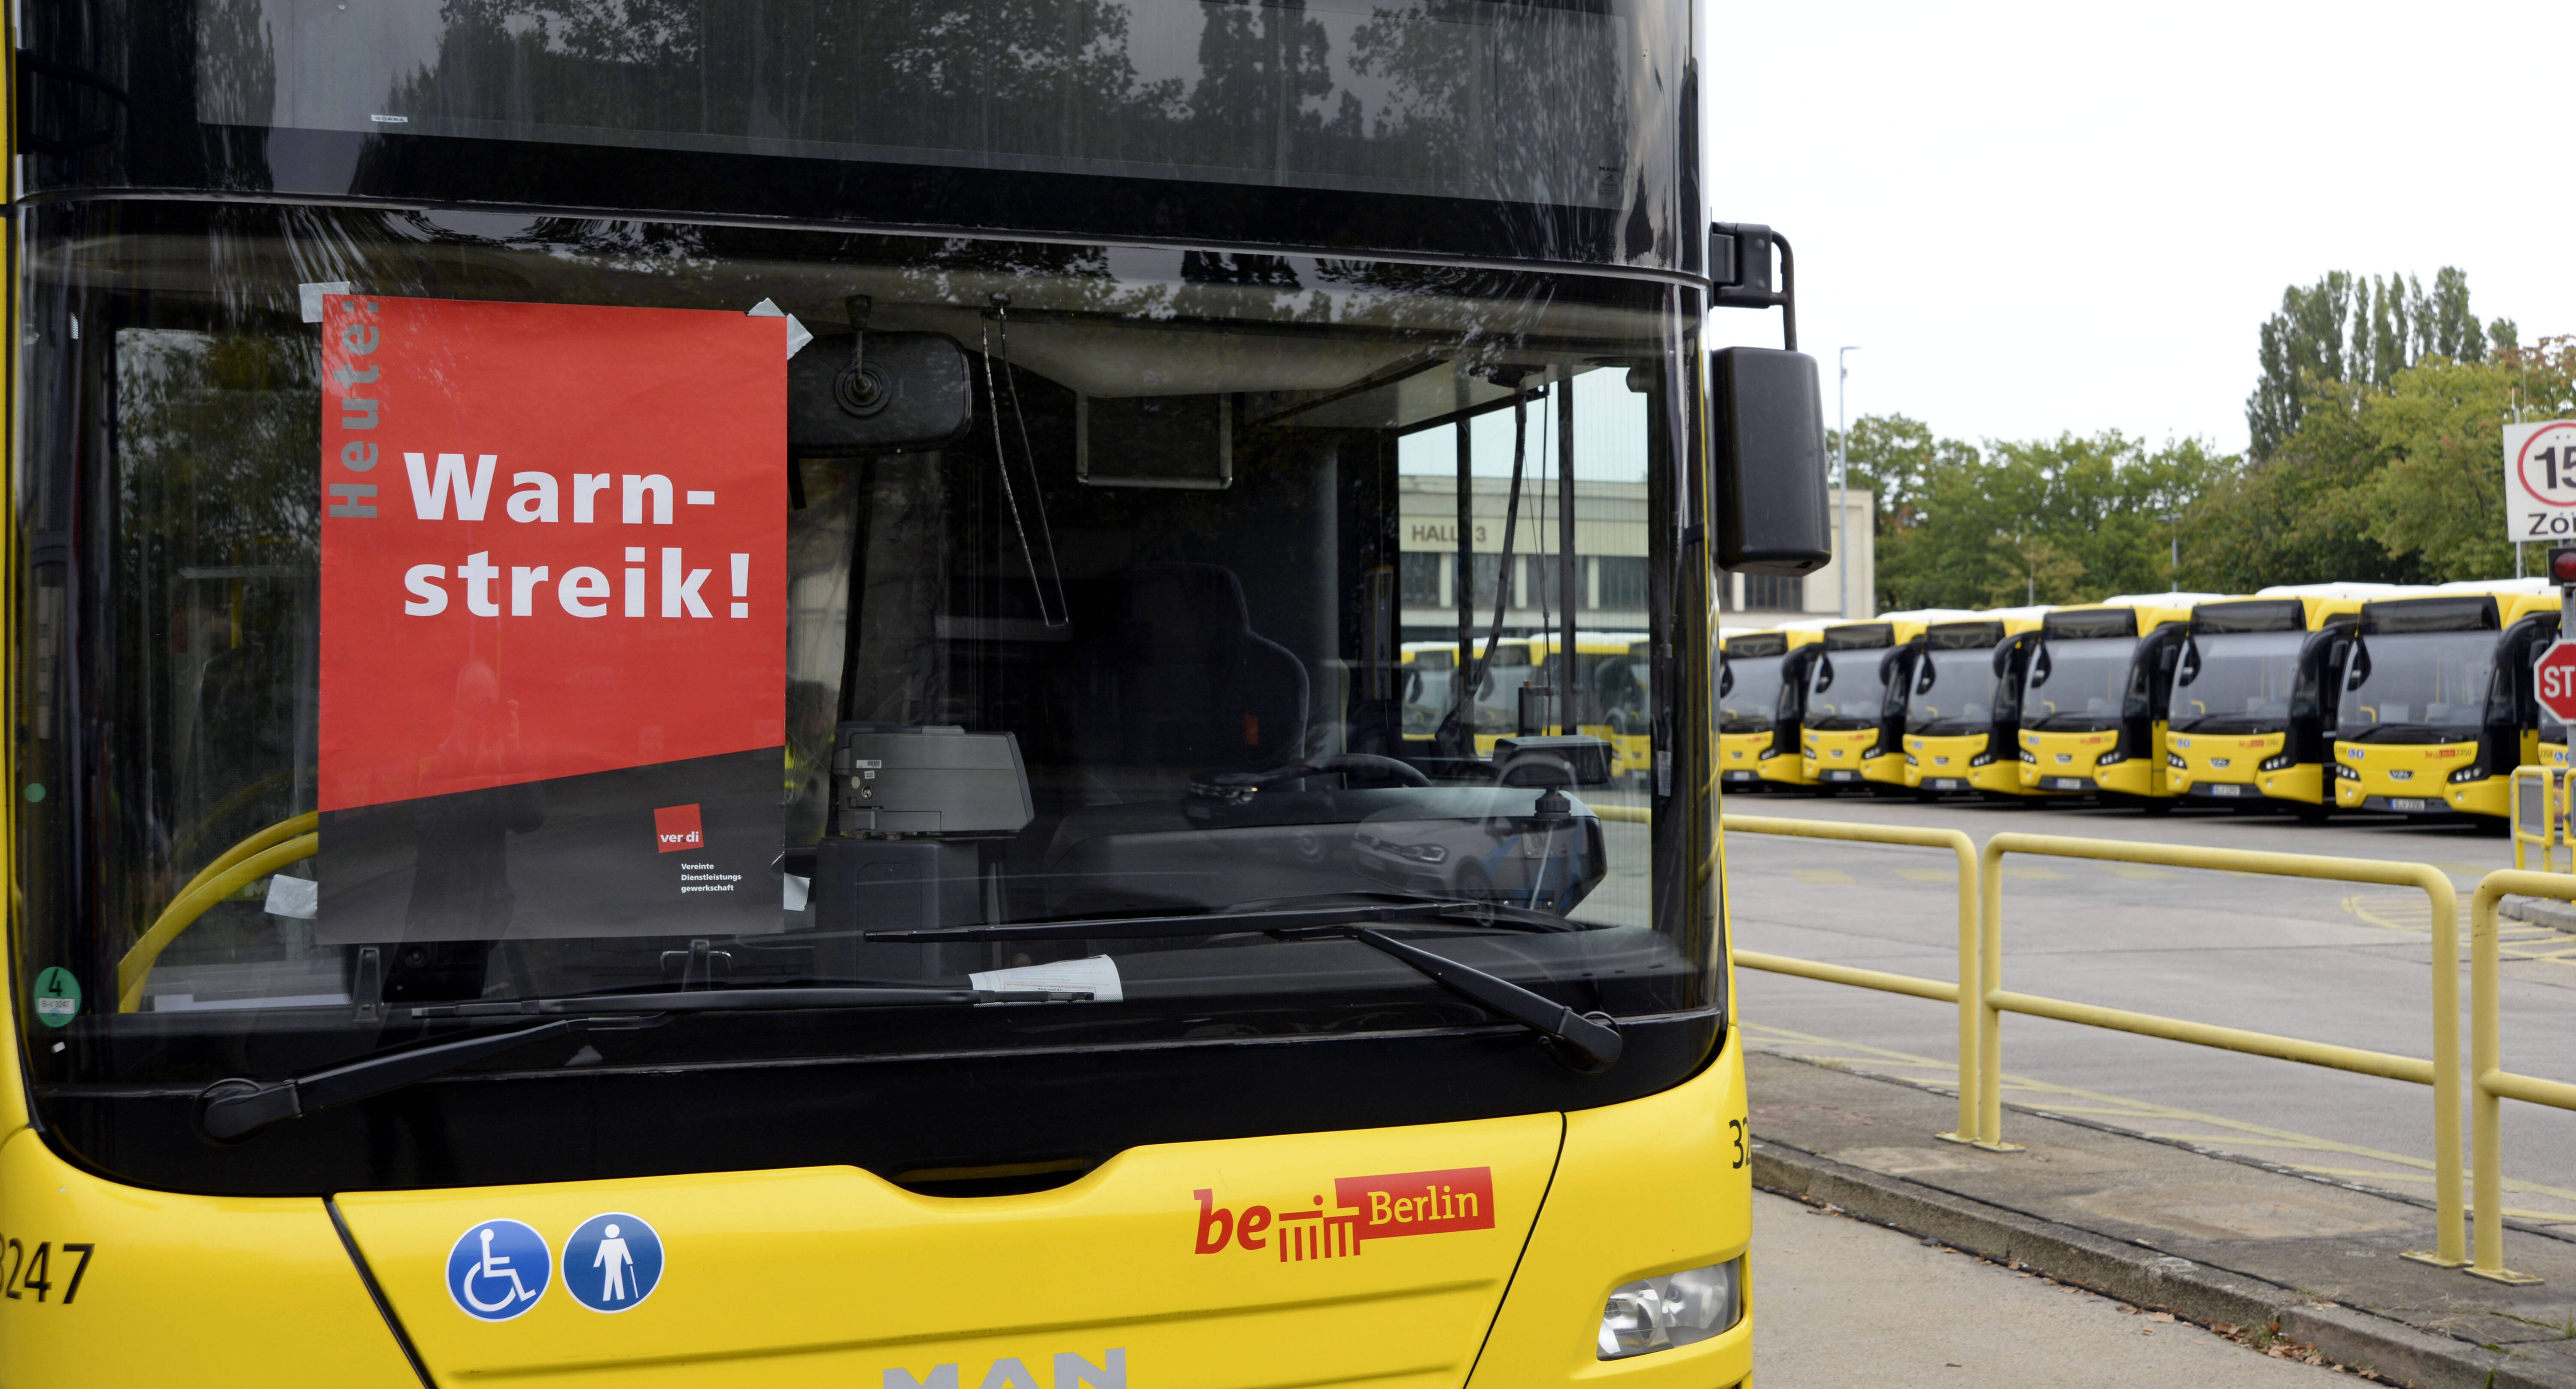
pixel 2408 803
pixel 1842 776
pixel 1947 783
pixel 2226 789
pixel 2067 783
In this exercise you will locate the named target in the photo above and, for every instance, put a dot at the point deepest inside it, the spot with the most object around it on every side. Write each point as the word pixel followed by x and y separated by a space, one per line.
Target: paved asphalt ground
pixel 2321 960
pixel 1839 1303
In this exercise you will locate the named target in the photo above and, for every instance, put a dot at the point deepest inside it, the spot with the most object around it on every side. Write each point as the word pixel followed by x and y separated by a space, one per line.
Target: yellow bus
pixel 1787 765
pixel 1430 674
pixel 2093 703
pixel 1854 714
pixel 1753 685
pixel 2435 706
pixel 1960 699
pixel 2250 692
pixel 453 465
pixel 1610 692
pixel 1612 673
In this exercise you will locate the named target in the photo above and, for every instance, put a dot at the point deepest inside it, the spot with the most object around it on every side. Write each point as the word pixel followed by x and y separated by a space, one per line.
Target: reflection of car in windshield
pixel 1510 853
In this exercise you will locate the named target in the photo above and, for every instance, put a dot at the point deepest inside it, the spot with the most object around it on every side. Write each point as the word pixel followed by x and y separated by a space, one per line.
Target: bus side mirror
pixel 1773 516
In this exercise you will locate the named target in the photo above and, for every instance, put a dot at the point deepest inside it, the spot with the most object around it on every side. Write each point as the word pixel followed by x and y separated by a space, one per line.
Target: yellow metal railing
pixel 1964 850
pixel 2538 797
pixel 2442 1073
pixel 2490 1082
pixel 1981 1007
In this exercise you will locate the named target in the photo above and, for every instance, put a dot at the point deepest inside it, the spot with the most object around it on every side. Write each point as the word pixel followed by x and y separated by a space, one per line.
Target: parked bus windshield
pixel 2077 685
pixel 1748 693
pixel 1843 689
pixel 2435 682
pixel 2236 682
pixel 1953 692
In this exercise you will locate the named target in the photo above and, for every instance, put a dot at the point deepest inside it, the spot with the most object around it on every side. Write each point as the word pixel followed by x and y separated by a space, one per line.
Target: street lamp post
pixel 1842 475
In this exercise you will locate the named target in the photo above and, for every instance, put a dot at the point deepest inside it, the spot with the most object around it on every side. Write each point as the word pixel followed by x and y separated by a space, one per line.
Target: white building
pixel 1610 551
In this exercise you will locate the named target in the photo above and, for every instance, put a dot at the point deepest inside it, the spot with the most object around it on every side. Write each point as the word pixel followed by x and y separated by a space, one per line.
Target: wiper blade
pixel 747 1000
pixel 1225 923
pixel 1590 1041
pixel 1592 1038
pixel 234 1109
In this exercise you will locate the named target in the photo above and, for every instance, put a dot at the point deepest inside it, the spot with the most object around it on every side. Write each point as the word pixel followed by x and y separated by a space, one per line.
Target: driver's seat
pixel 1176 677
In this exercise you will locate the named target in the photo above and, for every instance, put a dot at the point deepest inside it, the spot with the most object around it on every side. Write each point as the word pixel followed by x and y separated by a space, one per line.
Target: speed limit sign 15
pixel 2540 480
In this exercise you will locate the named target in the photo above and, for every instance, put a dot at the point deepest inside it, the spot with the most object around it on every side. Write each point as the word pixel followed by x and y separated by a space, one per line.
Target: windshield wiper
pixel 1497 915
pixel 1592 1039
pixel 233 1109
pixel 747 1000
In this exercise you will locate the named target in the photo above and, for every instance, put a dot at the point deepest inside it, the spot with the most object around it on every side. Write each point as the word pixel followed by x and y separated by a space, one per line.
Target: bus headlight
pixel 2345 773
pixel 2281 763
pixel 1983 759
pixel 2106 759
pixel 1675 1309
pixel 2029 756
pixel 2174 760
pixel 2472 772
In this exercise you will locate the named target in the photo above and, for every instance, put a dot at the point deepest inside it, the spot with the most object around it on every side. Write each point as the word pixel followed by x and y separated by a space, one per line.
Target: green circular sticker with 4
pixel 58 996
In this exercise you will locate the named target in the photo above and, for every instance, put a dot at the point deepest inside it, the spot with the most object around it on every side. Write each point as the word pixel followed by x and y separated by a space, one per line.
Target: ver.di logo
pixel 1364 1208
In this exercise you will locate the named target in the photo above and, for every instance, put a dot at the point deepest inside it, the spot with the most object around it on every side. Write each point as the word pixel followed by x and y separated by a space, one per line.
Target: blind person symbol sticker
pixel 553 618
pixel 612 1262
pixel 497 1270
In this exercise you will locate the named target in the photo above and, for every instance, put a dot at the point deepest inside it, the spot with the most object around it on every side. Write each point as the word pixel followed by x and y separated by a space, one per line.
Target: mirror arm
pixel 1739 263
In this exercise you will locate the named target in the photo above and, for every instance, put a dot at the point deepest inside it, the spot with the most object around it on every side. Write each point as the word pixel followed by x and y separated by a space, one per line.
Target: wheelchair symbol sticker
pixel 498 1269
pixel 612 1262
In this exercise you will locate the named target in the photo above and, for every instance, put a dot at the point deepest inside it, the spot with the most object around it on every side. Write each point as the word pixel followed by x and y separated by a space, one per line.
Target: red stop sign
pixel 2555 677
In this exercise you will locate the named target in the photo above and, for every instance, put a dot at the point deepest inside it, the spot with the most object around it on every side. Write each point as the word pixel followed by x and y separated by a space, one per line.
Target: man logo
pixel 1010 1372
pixel 676 829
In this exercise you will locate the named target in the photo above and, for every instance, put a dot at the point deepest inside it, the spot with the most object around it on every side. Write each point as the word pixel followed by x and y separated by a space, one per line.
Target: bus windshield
pixel 2429 683
pixel 1844 690
pixel 2077 685
pixel 1952 692
pixel 1044 583
pixel 2236 682
pixel 1748 693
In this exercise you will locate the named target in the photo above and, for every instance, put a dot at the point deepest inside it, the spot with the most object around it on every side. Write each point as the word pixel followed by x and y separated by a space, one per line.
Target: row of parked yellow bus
pixel 1607 697
pixel 2364 697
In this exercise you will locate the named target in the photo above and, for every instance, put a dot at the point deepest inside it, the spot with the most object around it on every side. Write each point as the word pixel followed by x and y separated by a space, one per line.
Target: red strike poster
pixel 553 649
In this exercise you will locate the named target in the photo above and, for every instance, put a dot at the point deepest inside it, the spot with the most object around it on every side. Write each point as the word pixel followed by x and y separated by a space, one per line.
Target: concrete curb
pixel 2540 911
pixel 2140 1276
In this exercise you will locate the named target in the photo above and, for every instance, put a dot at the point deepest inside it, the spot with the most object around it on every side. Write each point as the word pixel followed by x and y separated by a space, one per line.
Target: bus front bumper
pixel 1950 764
pixel 2219 767
pixel 1739 757
pixel 2084 764
pixel 1227 1272
pixel 1839 757
pixel 2417 779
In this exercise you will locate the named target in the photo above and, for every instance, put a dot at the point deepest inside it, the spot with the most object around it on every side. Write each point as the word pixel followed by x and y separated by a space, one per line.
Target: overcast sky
pixel 2035 218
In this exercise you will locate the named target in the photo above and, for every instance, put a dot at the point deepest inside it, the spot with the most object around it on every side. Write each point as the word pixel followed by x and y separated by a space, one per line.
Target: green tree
pixel 2349 328
pixel 2437 488
pixel 2062 520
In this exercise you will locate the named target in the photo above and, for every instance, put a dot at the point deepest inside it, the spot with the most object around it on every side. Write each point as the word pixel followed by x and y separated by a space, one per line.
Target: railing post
pixel 1971 993
pixel 2485 1060
pixel 2446 1068
pixel 1990 982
